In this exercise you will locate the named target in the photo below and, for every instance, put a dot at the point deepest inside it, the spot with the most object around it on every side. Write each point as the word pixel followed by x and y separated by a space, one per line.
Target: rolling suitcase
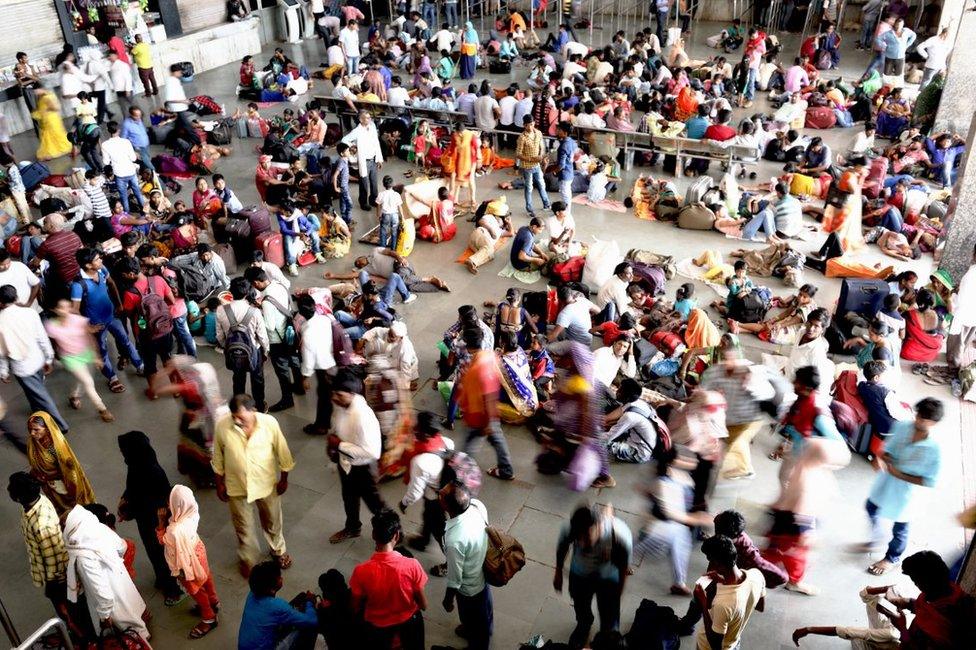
pixel 33 174
pixel 857 296
pixel 271 245
pixel 258 218
pixel 228 256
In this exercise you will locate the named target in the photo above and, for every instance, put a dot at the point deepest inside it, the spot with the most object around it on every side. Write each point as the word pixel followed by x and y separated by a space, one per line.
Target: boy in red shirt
pixel 153 331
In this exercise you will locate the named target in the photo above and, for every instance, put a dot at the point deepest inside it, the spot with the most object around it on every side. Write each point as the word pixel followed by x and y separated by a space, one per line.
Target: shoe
pixel 320 258
pixel 802 588
pixel 604 482
pixel 740 477
pixel 313 430
pixel 280 406
pixel 344 534
pixel 293 270
pixel 410 299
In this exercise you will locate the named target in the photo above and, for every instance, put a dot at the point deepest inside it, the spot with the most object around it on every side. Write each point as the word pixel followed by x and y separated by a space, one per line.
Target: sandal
pixel 202 629
pixel 283 560
pixel 116 386
pixel 880 568
pixel 106 415
pixel 495 472
pixel 74 402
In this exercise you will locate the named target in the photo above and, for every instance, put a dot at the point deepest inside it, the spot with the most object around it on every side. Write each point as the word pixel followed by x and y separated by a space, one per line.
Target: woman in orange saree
pixel 685 106
pixel 467 158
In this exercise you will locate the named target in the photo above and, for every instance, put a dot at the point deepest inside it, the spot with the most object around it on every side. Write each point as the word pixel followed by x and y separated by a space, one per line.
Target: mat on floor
pixel 686 268
pixel 525 277
pixel 605 204
pixel 468 252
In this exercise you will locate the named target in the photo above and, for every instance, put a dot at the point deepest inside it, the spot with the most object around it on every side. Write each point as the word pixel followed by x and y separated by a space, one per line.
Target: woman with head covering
pixel 95 567
pixel 469 51
pixel 146 491
pixel 55 465
pixel 519 390
pixel 186 555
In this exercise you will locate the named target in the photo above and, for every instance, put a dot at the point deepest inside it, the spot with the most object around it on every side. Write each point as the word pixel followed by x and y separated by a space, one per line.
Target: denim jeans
pixel 184 340
pixel 145 157
pixel 394 285
pixel 389 229
pixel 867 32
pixel 429 14
pixel 534 177
pixel 762 221
pixel 29 246
pixel 750 91
pixel 39 398
pixel 353 64
pixel 566 193
pixel 899 533
pixel 451 14
pixel 662 24
pixel 125 182
pixel 345 204
pixel 493 432
pixel 125 346
pixel 353 327
pixel 478 618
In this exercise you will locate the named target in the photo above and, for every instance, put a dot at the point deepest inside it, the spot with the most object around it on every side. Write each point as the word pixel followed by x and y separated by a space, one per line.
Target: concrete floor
pixel 534 506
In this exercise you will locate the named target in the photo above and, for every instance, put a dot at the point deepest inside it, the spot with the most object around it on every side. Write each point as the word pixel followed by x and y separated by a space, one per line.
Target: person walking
pixel 355 445
pixel 465 545
pixel 251 461
pixel 52 462
pixel 26 352
pixel 175 101
pixel 477 396
pixel 936 50
pixel 276 312
pixel 729 596
pixel 602 545
pixel 142 57
pixel 425 463
pixel 147 490
pixel 121 156
pixel 662 10
pixel 76 349
pixel 120 74
pixel 911 458
pixel 369 156
pixel 146 303
pixel 388 590
pixel 134 130
pixel 95 296
pixel 186 555
pixel 529 156
pixel 317 357
pixel 564 161
pixel 244 338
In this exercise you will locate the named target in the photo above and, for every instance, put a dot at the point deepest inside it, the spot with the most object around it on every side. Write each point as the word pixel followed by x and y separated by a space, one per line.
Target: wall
pixel 35 24
pixel 198 14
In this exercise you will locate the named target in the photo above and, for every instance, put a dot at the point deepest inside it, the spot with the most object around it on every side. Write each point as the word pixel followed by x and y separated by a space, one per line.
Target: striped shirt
pixel 100 206
pixel 742 407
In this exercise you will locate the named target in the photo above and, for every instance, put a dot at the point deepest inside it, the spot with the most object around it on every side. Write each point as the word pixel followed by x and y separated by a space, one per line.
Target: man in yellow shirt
pixel 366 94
pixel 248 454
pixel 142 57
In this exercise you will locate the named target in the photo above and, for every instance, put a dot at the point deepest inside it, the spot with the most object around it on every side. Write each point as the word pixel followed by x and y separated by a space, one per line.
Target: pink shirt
pixel 70 335
pixel 796 79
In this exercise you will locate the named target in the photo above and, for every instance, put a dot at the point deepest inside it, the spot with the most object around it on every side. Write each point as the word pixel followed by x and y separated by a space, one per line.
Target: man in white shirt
pixel 573 71
pixel 397 95
pixel 572 48
pixel 26 352
pixel 588 118
pixel 444 39
pixel 369 157
pixel 317 7
pixel 120 74
pixel 424 476
pixel 465 545
pixel 98 68
pixel 118 152
pixel 174 101
pixel 73 81
pixel 239 313
pixel 349 41
pixel 317 358
pixel 612 297
pixel 506 115
pixel 523 107
pixel 275 309
pixel 731 597
pixel 486 112
pixel 355 445
pixel 936 52
pixel 20 277
pixel 393 343
pixel 962 330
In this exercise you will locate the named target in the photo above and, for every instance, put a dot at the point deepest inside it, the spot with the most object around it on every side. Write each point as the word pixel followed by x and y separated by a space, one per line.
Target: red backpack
pixel 569 271
pixel 844 391
pixel 155 311
pixel 666 342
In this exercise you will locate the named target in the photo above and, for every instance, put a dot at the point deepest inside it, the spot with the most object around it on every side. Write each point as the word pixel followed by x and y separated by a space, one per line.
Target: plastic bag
pixel 601 258
pixel 584 468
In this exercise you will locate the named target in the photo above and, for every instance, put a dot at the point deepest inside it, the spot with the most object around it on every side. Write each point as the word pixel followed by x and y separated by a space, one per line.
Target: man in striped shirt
pixel 529 155
pixel 93 188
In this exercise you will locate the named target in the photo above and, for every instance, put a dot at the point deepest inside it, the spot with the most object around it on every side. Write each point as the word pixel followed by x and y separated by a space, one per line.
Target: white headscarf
pixel 85 536
pixel 181 539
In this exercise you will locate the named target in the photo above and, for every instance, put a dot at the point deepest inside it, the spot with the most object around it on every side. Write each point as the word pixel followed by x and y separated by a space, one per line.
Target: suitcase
pixel 874 183
pixel 820 117
pixel 221 135
pixel 238 228
pixel 226 253
pixel 33 174
pixel 241 126
pixel 271 245
pixel 258 218
pixel 857 295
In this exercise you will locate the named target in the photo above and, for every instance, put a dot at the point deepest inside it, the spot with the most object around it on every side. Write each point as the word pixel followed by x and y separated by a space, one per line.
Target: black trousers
pixel 323 406
pixel 102 110
pixel 283 362
pixel 433 522
pixel 257 383
pixel 359 484
pixel 165 582
pixel 410 632
pixel 478 618
pixel 368 185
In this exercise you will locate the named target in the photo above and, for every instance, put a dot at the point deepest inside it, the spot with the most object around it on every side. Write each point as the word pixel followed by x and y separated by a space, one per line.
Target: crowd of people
pixel 603 367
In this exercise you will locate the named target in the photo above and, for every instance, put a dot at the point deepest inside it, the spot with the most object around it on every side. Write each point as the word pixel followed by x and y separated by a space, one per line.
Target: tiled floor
pixel 534 505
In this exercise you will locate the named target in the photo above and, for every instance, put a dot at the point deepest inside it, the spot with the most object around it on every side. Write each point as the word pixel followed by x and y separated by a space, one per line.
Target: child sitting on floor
pixel 684 301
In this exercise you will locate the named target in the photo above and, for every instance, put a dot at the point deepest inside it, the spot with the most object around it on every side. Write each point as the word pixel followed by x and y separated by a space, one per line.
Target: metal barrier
pixel 56 623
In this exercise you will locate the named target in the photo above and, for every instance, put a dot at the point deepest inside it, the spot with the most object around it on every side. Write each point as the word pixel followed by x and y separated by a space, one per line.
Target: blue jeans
pixel 39 399
pixel 948 175
pixel 662 22
pixel 566 193
pixel 184 340
pixel 389 230
pixel 145 157
pixel 450 14
pixel 345 204
pixel 899 534
pixel 534 177
pixel 877 61
pixel 763 220
pixel 393 286
pixel 429 14
pixel 353 327
pixel 493 432
pixel 353 64
pixel 867 32
pixel 29 246
pixel 478 618
pixel 750 91
pixel 123 344
pixel 125 182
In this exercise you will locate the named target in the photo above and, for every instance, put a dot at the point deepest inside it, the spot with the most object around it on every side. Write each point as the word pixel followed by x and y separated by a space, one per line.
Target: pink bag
pixel 584 468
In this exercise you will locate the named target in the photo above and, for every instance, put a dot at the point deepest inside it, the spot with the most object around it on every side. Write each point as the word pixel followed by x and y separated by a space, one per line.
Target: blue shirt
pixel 695 127
pixel 524 242
pixel 210 327
pixel 96 305
pixel 895 47
pixel 567 149
pixel 891 495
pixel 135 132
pixel 342 166
pixel 684 307
pixel 263 617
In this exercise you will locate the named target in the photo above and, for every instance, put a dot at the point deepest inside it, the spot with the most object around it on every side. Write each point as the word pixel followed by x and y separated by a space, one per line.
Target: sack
pixel 584 468
pixel 844 391
pixel 569 271
pixel 665 262
pixel 674 35
pixel 257 129
pixel 967 377
pixel 155 312
pixel 845 418
pixel 750 308
pixel 499 66
pixel 504 558
pixel 601 259
pixel 167 164
pixel 824 60
pixel 696 217
pixel 13 245
pixel 665 368
pixel 221 134
pixel 241 352
pixel 655 628
pixel 820 117
pixel 460 467
pixel 116 639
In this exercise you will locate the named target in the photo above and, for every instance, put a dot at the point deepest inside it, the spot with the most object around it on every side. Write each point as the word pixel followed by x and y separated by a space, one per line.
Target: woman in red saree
pixel 923 330
pixel 435 216
pixel 206 203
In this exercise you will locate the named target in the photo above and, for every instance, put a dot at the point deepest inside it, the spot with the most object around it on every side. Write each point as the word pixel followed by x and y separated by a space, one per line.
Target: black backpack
pixel 241 352
pixel 750 308
pixel 655 628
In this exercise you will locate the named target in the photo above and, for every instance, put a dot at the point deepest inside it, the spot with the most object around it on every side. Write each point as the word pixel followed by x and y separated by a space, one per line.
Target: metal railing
pixel 51 623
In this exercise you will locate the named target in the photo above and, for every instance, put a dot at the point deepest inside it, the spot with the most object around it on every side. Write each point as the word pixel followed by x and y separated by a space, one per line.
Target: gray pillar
pixel 958 252
pixel 956 108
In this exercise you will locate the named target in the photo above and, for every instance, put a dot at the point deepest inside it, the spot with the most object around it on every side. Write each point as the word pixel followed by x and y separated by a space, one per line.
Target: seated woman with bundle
pixel 924 335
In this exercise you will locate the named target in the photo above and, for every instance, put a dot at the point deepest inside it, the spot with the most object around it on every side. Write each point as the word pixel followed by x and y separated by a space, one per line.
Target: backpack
pixel 504 558
pixel 155 313
pixel 240 352
pixel 654 628
pixel 458 466
pixel 750 308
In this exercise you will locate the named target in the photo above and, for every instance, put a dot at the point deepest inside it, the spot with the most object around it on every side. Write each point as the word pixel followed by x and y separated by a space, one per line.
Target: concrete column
pixel 958 252
pixel 952 11
pixel 956 108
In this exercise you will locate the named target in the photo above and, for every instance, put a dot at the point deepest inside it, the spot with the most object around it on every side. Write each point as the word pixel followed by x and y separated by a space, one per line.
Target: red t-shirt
pixel 59 249
pixel 719 132
pixel 610 332
pixel 132 299
pixel 388 582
